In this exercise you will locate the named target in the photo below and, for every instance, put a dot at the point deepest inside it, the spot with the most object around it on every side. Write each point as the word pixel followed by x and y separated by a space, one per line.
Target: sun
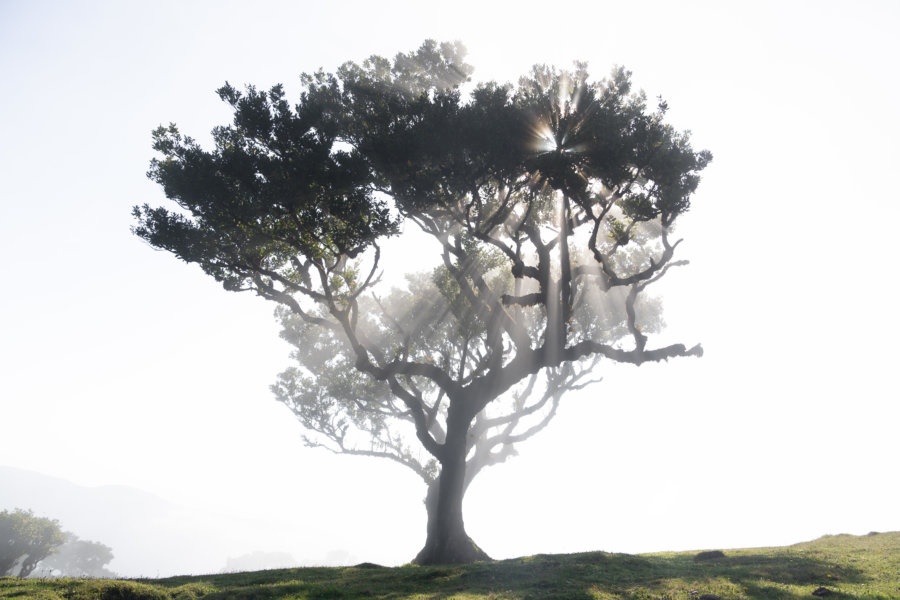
pixel 545 139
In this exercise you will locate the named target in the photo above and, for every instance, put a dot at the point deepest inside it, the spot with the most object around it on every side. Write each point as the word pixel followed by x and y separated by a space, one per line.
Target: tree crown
pixel 551 200
pixel 25 540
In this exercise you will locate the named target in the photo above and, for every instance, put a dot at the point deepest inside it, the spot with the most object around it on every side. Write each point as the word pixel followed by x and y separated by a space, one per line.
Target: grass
pixel 865 567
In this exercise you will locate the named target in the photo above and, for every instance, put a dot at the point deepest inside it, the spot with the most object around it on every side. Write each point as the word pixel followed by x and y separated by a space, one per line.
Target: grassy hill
pixel 847 566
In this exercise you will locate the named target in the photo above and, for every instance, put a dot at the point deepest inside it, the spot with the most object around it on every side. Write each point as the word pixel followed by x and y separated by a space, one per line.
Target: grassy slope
pixel 850 566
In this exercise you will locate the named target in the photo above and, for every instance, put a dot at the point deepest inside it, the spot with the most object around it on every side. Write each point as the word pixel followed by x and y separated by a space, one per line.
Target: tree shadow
pixel 586 576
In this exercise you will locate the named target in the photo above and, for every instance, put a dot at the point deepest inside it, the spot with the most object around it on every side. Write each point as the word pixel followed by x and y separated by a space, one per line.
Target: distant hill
pixel 149 536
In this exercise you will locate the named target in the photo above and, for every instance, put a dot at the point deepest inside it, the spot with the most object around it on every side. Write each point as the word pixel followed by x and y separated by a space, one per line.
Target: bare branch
pixel 406 461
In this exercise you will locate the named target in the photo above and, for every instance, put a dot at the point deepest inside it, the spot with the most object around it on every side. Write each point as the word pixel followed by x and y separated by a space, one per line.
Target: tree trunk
pixel 447 542
pixel 29 564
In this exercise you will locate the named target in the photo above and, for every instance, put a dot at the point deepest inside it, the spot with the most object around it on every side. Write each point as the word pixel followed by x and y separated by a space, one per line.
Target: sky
pixel 120 365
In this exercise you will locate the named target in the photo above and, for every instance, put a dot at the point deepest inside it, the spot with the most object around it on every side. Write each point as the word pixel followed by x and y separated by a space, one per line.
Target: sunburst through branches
pixel 550 203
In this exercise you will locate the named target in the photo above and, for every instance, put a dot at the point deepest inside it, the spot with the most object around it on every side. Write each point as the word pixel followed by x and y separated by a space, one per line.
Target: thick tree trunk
pixel 447 541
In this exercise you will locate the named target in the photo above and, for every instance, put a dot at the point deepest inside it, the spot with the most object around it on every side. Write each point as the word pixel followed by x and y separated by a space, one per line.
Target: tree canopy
pixel 25 540
pixel 551 204
pixel 76 557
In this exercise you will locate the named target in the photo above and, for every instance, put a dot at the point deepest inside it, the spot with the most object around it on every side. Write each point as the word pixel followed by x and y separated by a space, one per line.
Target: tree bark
pixel 447 542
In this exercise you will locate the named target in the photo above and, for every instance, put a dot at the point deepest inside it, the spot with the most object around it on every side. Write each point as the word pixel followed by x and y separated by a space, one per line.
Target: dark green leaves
pixel 25 540
pixel 275 185
pixel 301 181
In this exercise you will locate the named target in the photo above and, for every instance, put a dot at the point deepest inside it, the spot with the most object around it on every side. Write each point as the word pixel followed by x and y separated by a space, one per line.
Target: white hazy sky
pixel 121 365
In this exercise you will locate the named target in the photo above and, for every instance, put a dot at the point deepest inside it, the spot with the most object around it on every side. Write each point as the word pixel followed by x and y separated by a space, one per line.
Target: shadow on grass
pixel 758 576
pixel 588 576
pixel 593 575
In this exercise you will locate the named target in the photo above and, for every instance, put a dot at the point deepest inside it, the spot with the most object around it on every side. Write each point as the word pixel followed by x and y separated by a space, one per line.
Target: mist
pixel 134 395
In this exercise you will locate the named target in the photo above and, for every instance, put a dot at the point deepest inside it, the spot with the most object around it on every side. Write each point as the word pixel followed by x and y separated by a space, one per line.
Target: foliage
pixel 551 203
pixel 77 558
pixel 864 567
pixel 25 540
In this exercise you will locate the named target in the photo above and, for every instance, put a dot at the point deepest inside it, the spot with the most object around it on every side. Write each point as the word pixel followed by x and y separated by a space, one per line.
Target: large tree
pixel 25 540
pixel 550 203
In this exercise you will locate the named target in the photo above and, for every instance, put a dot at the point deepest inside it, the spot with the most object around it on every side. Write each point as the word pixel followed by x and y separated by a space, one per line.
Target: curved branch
pixel 267 290
pixel 526 363
pixel 640 340
pixel 408 462
pixel 614 279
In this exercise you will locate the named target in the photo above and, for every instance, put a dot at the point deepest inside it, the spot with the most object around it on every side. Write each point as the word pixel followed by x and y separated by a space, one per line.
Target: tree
pixel 551 202
pixel 78 558
pixel 25 540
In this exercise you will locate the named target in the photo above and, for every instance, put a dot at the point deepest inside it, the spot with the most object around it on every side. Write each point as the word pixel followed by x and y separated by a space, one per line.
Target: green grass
pixel 850 566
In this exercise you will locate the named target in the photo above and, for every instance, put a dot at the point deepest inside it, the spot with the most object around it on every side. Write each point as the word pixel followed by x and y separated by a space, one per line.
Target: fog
pixel 134 391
